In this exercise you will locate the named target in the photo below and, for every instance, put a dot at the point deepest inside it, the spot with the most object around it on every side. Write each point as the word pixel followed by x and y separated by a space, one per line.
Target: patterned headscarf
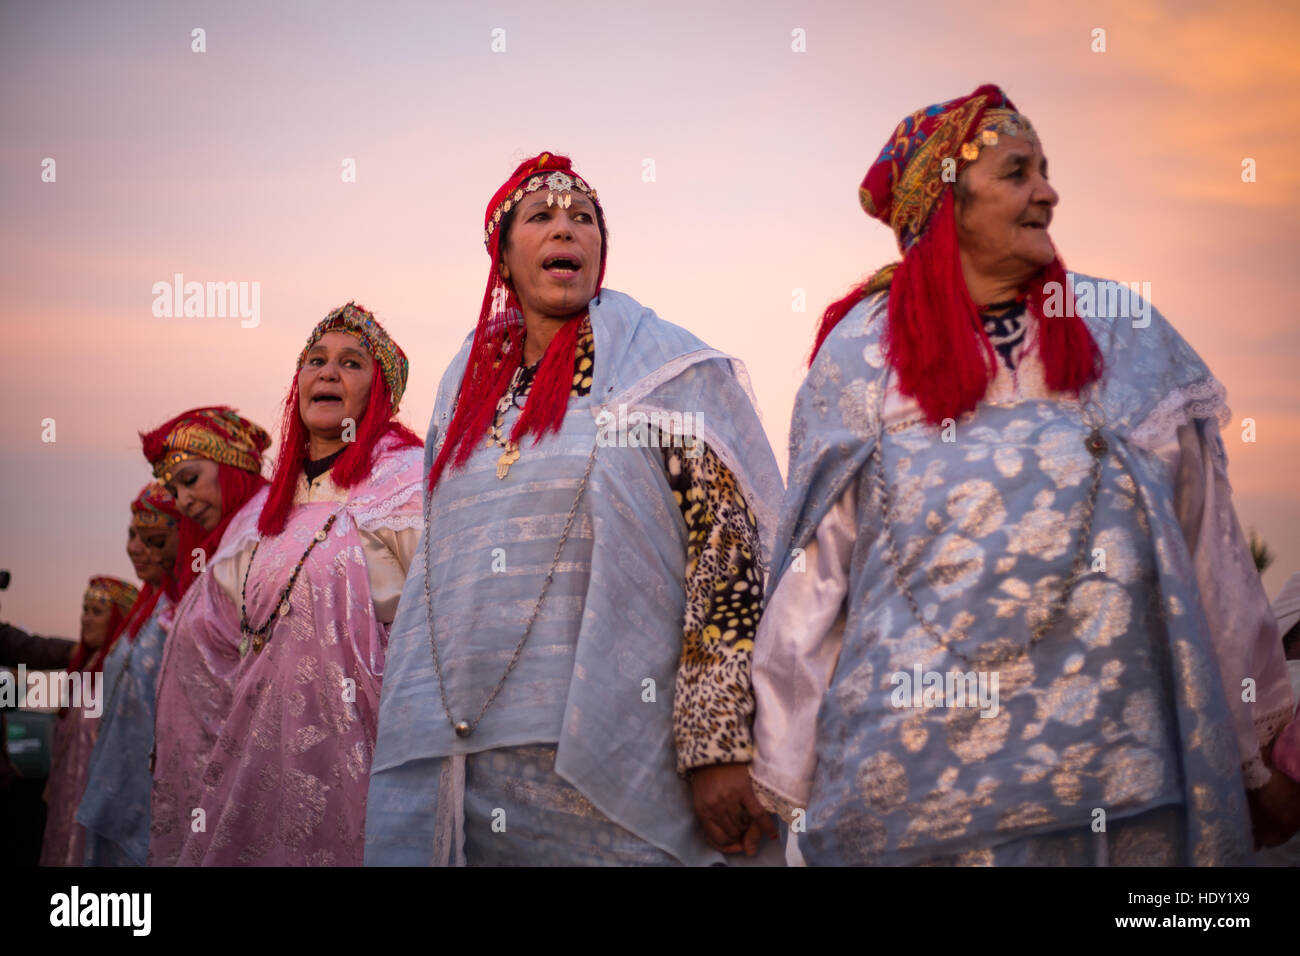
pixel 119 596
pixel 358 321
pixel 216 433
pixel 113 591
pixel 154 507
pixel 935 339
pixel 904 184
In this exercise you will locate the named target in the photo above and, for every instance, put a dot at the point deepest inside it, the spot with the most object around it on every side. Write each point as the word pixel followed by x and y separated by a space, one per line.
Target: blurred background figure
pixel 1287 608
pixel 115 807
pixel 104 611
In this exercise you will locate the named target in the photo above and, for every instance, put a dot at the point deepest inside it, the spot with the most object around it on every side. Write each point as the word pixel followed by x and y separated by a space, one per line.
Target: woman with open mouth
pixel 115 808
pixel 986 483
pixel 316 585
pixel 210 460
pixel 104 610
pixel 568 671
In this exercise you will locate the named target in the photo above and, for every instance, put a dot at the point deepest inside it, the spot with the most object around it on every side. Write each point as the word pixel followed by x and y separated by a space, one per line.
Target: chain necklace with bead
pixel 256 637
pixel 463 727
pixel 1097 447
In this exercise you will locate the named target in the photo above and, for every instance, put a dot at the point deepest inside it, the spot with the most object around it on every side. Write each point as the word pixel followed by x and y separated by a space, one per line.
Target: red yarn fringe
pixel 935 340
pixel 351 467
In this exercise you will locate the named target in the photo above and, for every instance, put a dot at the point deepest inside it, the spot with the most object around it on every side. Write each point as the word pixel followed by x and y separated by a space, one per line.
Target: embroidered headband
pixel 559 183
pixel 215 434
pixel 109 590
pixel 154 508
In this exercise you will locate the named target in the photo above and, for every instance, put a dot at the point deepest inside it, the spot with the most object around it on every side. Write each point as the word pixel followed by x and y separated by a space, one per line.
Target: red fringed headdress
pixel 935 339
pixel 499 336
pixel 218 434
pixel 154 509
pixel 119 596
pixel 387 386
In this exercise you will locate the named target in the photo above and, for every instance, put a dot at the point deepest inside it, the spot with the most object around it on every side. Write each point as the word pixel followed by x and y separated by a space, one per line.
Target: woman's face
pixel 94 623
pixel 196 486
pixel 552 255
pixel 1004 207
pixel 334 384
pixel 152 552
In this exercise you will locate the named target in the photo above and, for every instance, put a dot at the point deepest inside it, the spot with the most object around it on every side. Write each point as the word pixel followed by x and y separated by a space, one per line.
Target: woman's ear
pixel 504 269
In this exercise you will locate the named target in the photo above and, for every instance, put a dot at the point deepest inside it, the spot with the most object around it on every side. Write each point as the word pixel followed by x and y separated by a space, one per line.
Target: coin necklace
pixel 1097 447
pixel 495 435
pixel 258 635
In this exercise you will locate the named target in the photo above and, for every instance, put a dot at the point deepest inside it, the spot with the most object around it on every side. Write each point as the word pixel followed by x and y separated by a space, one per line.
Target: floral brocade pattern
pixel 286 781
pixel 1119 708
pixel 986 528
pixel 195 686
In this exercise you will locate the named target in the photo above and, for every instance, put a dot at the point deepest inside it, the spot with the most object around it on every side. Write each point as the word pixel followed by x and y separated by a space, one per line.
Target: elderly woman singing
pixel 574 636
pixel 1013 619
pixel 104 611
pixel 315 583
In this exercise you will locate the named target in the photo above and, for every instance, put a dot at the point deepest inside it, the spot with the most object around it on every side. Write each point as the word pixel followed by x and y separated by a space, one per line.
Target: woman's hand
pixel 733 819
pixel 1274 810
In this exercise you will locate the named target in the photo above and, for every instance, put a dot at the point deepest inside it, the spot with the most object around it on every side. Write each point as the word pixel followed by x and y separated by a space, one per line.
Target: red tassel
pixel 935 339
pixel 549 395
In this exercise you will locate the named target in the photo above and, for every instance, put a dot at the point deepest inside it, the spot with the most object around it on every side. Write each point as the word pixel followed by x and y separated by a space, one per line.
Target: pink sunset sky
pixel 226 166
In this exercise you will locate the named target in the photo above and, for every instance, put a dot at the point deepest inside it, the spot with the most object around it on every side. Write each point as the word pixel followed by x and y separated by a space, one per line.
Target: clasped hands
pixel 734 821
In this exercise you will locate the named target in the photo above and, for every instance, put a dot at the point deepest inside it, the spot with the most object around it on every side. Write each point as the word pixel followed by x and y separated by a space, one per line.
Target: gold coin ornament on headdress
pixel 223 437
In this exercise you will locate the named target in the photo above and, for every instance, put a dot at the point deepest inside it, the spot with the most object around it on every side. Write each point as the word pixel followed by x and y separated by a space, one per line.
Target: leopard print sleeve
pixel 714 702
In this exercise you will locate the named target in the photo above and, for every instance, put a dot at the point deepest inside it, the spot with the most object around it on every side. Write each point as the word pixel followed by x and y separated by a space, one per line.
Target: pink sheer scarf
pixel 287 780
pixel 195 685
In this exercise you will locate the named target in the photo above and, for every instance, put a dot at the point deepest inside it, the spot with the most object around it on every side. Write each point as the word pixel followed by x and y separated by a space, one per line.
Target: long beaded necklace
pixel 1097 447
pixel 463 727
pixel 258 635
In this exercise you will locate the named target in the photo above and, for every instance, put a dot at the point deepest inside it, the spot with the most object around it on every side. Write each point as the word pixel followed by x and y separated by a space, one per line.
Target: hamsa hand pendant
pixel 508 458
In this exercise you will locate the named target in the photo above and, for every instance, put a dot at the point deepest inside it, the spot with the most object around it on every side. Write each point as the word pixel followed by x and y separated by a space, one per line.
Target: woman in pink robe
pixel 316 586
pixel 211 461
pixel 103 614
